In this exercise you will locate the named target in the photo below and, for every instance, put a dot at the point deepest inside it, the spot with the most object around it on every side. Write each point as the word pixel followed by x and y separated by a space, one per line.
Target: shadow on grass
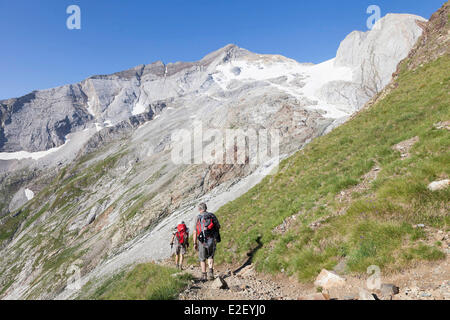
pixel 250 256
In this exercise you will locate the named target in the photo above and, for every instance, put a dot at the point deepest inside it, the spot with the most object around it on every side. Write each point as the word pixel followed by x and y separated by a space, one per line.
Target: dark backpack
pixel 208 227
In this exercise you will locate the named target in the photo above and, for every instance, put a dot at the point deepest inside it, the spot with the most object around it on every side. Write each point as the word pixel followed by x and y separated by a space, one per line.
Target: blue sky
pixel 37 50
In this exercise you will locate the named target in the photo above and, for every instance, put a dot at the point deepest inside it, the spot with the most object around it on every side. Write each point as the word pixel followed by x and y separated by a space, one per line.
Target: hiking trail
pixel 425 281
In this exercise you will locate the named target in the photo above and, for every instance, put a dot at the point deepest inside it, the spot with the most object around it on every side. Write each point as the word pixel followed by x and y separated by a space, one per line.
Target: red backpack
pixel 181 233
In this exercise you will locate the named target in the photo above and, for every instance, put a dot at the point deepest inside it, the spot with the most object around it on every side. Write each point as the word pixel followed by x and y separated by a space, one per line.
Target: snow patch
pixel 98 126
pixel 29 194
pixel 138 109
pixel 320 74
pixel 90 109
pixel 20 155
pixel 314 78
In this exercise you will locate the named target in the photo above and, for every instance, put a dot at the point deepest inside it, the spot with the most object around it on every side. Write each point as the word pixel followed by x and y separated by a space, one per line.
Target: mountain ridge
pixel 93 101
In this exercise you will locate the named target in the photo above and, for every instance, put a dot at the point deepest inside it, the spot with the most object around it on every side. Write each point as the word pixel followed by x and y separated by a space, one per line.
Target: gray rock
pixel 236 288
pixel 219 283
pixel 425 294
pixel 439 185
pixel 327 279
pixel 388 289
pixel 236 71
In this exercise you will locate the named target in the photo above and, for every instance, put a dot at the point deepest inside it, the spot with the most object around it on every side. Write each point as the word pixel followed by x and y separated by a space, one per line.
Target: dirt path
pixel 245 284
pixel 427 281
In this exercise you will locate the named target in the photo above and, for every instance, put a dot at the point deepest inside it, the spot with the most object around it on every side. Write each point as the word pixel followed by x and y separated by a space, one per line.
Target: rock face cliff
pixel 373 57
pixel 97 155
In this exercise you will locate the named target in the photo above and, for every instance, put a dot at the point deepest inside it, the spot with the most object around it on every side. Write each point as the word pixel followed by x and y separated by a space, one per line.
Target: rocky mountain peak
pixel 225 54
pixel 366 53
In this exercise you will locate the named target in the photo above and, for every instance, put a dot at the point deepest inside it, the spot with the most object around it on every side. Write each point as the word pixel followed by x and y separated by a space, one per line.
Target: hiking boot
pixel 210 274
pixel 204 277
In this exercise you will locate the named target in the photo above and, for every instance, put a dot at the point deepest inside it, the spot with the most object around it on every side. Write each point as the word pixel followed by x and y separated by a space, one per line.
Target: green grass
pixel 67 191
pixel 12 223
pixel 377 225
pixel 145 281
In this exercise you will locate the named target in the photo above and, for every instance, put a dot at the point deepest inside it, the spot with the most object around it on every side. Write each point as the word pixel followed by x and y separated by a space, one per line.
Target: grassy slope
pixel 144 282
pixel 59 198
pixel 377 225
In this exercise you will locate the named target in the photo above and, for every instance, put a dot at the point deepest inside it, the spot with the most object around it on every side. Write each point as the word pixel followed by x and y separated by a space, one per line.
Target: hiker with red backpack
pixel 181 235
pixel 206 235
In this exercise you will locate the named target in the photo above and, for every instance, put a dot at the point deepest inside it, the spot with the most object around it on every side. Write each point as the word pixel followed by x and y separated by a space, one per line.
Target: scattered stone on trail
pixel 419 226
pixel 248 271
pixel 219 283
pixel 389 289
pixel 365 295
pixel 439 185
pixel 327 279
pixel 425 282
pixel 236 289
pixel 245 287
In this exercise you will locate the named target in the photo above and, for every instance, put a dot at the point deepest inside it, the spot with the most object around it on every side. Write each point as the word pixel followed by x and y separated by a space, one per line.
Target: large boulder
pixel 439 185
pixel 328 279
pixel 219 283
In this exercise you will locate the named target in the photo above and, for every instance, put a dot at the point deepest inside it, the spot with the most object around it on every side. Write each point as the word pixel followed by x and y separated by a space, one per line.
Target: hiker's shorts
pixel 180 249
pixel 206 250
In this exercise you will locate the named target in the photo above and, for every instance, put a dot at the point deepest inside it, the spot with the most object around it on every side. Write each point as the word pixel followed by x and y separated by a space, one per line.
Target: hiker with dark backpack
pixel 181 236
pixel 206 235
